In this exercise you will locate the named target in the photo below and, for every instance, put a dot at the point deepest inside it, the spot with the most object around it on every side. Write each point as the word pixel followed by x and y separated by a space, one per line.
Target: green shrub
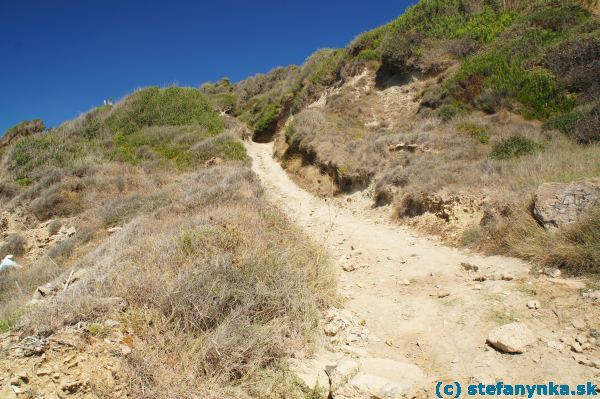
pixel 504 74
pixel 559 17
pixel 45 149
pixel 174 106
pixel 565 123
pixel 515 146
pixel 448 111
pixel 97 330
pixel 266 119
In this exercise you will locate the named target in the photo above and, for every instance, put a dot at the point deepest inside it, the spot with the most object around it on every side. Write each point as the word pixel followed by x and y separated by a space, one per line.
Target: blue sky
pixel 62 57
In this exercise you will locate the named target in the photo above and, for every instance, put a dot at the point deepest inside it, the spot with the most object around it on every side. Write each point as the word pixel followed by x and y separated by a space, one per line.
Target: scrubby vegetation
pixel 217 283
pixel 225 307
pixel 156 129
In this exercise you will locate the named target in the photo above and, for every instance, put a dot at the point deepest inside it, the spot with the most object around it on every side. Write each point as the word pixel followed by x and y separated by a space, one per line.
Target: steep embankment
pixel 417 302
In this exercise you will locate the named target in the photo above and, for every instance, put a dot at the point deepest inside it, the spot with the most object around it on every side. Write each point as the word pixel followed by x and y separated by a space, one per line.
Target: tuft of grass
pixel 513 147
pixel 97 330
pixel 478 132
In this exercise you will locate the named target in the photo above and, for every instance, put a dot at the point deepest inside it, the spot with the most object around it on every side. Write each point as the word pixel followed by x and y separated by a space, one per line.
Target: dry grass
pixel 574 248
pixel 218 284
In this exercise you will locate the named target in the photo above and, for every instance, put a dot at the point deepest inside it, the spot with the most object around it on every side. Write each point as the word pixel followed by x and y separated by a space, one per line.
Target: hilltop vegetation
pixel 536 58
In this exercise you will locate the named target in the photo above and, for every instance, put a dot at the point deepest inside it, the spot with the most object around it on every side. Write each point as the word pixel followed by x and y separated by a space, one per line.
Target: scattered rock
pixel 552 272
pixel 32 346
pixel 110 323
pixel 578 324
pixel 386 379
pixel 582 359
pixel 558 204
pixel 469 267
pixel 499 277
pixel 581 339
pixel 511 338
pixel 403 147
pixel 72 386
pixel 342 373
pixel 576 347
pixel 125 349
pixel 594 295
pixel 349 267
pixel 69 232
pixel 533 304
pixel 112 230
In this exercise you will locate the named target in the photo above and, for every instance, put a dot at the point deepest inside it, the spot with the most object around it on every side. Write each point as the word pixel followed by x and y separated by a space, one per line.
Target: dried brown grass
pixel 218 285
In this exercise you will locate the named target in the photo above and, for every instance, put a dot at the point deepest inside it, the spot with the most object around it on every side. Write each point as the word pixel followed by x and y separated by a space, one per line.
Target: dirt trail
pixel 420 306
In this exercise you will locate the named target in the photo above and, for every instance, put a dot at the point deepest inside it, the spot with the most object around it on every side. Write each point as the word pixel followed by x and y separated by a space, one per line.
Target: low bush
pixel 54 227
pixel 448 111
pixel 14 245
pixel 513 147
pixel 23 129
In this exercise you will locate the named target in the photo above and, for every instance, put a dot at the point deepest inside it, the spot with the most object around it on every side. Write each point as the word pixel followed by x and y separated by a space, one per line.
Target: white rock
pixel 511 338
pixel 386 379
pixel 578 324
pixel 314 379
pixel 343 372
pixel 556 345
pixel 533 304
pixel 552 272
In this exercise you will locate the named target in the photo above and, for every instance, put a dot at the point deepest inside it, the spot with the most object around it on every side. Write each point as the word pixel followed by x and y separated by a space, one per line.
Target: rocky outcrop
pixel 558 204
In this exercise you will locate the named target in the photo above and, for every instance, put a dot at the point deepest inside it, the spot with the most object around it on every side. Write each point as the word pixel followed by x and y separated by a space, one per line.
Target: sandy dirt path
pixel 416 303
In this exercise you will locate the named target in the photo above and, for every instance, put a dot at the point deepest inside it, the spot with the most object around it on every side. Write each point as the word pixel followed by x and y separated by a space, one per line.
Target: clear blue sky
pixel 62 57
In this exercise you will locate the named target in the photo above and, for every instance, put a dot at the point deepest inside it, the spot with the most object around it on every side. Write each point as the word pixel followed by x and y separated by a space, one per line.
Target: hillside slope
pixel 147 249
pixel 452 115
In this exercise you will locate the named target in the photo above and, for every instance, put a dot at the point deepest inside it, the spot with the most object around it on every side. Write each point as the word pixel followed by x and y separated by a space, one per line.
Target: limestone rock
pixel 384 379
pixel 511 338
pixel 558 204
